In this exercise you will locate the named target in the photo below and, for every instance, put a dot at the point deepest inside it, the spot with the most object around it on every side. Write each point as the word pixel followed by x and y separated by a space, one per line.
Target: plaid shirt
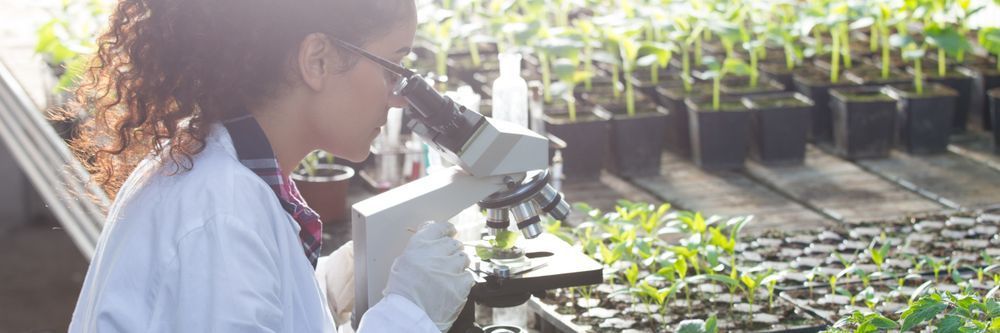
pixel 254 151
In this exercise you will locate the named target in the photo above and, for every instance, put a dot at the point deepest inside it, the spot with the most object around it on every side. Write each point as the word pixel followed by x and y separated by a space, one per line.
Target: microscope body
pixel 496 154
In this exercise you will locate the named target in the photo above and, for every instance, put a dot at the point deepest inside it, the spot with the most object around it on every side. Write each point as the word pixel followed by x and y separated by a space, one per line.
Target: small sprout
pixel 504 240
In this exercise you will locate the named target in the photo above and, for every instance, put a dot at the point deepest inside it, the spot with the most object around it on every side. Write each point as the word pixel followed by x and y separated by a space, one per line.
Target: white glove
pixel 335 274
pixel 432 273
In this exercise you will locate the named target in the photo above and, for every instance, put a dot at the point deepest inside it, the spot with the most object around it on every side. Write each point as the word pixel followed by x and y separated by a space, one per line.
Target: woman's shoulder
pixel 216 184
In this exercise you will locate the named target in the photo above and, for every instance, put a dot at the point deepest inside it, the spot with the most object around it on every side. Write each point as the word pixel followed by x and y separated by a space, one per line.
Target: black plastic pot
pixel 962 84
pixel 602 89
pixel 739 86
pixel 994 97
pixel 642 80
pixel 984 78
pixel 778 73
pixel 636 141
pixel 586 140
pixel 863 121
pixel 718 137
pixel 778 126
pixel 871 75
pixel 923 119
pixel 672 96
pixel 815 84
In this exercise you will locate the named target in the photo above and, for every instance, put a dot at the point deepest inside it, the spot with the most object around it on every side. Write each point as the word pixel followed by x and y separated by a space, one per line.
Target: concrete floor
pixel 41 278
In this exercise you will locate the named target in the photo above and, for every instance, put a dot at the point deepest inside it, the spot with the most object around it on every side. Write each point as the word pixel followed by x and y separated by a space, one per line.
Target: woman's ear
pixel 314 60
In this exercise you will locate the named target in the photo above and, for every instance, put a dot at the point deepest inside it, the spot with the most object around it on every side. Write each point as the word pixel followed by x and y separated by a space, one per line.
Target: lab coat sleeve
pixel 395 313
pixel 228 280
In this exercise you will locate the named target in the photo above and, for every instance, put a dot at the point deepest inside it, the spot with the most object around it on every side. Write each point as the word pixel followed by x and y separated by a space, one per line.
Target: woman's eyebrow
pixel 404 50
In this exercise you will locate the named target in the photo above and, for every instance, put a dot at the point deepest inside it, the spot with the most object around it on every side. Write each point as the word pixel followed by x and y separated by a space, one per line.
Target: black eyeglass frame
pixel 389 66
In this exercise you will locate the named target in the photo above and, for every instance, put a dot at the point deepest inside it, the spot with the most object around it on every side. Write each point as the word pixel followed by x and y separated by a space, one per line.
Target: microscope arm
pixel 380 225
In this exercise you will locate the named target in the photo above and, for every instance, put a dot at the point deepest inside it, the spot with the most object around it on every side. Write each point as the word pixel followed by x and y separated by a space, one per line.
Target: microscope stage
pixel 552 264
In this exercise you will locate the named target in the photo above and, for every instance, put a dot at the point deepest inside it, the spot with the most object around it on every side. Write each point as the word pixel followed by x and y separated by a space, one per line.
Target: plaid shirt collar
pixel 254 151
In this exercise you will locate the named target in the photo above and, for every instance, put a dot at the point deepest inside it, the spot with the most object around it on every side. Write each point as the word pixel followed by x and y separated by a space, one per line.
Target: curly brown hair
pixel 166 69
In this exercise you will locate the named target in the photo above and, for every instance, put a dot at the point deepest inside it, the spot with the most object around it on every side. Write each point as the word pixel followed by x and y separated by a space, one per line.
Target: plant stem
pixel 687 296
pixel 697 52
pixel 441 58
pixel 754 73
pixel 885 52
pixel 835 57
pixel 732 263
pixel 629 96
pixel 942 63
pixel 474 53
pixel 789 57
pixel 715 92
pixel 654 73
pixel 686 69
pixel 918 77
pixel 543 60
pixel 588 65
pixel 846 44
pixel 819 41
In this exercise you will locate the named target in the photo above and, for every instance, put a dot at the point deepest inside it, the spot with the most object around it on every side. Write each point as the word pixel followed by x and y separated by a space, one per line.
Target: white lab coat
pixel 211 250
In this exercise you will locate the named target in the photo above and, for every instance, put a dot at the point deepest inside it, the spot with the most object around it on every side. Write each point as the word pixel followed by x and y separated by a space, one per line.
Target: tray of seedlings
pixel 655 285
pixel 665 268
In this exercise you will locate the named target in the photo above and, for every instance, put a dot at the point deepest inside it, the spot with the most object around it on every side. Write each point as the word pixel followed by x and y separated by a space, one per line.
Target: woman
pixel 206 106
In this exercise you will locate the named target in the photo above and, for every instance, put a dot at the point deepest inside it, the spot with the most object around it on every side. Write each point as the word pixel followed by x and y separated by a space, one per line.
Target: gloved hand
pixel 431 273
pixel 335 274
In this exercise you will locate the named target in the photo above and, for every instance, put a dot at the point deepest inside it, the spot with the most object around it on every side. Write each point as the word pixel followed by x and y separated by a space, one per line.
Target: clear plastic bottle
pixel 510 91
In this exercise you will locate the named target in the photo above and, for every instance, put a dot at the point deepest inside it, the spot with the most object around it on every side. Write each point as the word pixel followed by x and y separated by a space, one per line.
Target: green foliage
pixel 698 326
pixel 68 39
pixel 311 163
pixel 504 240
pixel 865 323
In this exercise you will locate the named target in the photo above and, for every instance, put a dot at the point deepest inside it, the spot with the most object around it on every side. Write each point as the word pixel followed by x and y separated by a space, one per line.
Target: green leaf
pixel 748 281
pixel 722 278
pixel 881 322
pixel 691 326
pixel 632 274
pixel 989 38
pixel 681 267
pixel 921 290
pixel 735 66
pixel 923 310
pixel 484 252
pixel 950 324
pixel 505 239
pixel 948 39
pixel 711 325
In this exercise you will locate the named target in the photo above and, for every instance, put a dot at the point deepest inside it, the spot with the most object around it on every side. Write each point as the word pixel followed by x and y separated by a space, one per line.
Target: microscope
pixel 499 166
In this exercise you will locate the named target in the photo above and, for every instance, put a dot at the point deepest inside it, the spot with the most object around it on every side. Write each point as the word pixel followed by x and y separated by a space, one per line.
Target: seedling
pixel 872 322
pixel 935 264
pixel 869 297
pixel 503 241
pixel 752 282
pixel 989 38
pixel 629 50
pixel 772 282
pixel 810 277
pixel 948 41
pixel 881 254
pixel 569 77
pixel 717 71
pixel 698 326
